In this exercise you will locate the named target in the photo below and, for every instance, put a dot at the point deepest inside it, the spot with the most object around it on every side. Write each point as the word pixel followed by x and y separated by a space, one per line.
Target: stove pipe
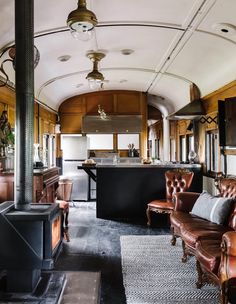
pixel 24 128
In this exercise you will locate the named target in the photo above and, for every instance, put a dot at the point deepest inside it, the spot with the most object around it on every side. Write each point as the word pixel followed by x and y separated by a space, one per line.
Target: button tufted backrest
pixel 227 188
pixel 177 181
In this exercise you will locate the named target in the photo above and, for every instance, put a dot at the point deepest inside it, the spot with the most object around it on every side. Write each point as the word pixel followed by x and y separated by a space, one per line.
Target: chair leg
pixel 64 225
pixel 66 218
pixel 173 239
pixel 148 213
pixel 224 293
pixel 199 283
pixel 185 255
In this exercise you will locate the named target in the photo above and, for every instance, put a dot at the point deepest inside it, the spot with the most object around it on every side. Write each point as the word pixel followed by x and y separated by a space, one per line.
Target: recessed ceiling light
pixel 224 28
pixel 127 51
pixel 79 85
pixel 64 58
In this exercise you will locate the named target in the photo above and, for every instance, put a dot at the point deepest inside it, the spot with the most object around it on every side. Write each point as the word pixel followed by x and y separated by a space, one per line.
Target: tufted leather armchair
pixel 178 180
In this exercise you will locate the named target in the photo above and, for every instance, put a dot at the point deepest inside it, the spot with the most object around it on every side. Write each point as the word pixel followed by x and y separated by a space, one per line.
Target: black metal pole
pixel 24 38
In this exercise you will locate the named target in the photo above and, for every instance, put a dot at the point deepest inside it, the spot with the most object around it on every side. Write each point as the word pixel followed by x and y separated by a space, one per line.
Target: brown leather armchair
pixel 213 245
pixel 178 180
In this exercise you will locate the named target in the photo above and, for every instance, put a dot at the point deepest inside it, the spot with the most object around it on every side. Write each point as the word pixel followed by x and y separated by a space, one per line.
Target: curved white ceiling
pixel 174 44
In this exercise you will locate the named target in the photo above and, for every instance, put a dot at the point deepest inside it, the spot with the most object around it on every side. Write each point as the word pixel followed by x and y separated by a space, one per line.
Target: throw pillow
pixel 212 208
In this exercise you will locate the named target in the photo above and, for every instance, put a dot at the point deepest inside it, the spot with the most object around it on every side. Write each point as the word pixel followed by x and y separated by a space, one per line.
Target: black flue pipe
pixel 24 127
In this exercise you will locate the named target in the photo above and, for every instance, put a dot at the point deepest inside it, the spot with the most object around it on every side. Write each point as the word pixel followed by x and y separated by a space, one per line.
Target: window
pixel 212 144
pixel 183 157
pixel 125 139
pixel 186 145
pixel 157 148
pixel 172 150
pixel 100 141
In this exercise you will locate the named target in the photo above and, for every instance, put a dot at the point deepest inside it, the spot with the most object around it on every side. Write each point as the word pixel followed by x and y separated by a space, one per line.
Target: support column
pixel 166 139
pixel 24 38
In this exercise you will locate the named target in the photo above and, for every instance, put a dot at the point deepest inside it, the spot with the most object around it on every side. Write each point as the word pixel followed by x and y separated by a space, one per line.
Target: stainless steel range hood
pixel 112 124
pixel 191 111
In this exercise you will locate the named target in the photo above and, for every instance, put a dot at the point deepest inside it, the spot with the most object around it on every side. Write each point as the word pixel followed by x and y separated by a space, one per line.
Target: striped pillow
pixel 212 208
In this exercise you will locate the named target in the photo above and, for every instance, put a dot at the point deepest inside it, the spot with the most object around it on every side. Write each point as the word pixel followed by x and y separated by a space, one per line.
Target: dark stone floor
pixel 95 246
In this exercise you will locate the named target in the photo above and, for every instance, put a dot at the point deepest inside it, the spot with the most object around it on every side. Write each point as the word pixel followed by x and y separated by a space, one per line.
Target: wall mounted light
pixel 82 22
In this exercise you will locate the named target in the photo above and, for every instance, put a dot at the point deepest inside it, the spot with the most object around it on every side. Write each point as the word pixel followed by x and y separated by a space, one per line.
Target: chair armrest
pixel 227 269
pixel 184 201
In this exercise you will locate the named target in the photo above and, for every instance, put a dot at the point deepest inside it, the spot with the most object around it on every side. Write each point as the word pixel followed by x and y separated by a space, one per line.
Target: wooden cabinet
pixel 45 185
pixel 6 187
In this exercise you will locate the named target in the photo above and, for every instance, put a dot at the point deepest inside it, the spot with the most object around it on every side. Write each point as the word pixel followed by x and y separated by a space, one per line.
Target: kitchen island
pixel 123 190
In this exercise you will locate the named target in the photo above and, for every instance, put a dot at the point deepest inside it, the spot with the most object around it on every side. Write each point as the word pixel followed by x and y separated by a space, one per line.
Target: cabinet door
pixel 7 190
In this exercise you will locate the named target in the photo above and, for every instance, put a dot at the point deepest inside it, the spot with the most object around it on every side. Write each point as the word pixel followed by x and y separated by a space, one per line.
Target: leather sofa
pixel 213 245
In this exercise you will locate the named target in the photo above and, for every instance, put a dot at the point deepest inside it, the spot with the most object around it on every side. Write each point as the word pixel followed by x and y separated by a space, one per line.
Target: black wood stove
pixel 29 242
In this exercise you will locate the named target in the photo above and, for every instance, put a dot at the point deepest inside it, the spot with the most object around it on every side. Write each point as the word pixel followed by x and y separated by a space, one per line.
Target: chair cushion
pixel 208 253
pixel 211 208
pixel 178 217
pixel 193 231
pixel 162 204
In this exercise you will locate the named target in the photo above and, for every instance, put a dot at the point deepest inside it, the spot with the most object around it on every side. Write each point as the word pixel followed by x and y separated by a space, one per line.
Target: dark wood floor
pixel 95 246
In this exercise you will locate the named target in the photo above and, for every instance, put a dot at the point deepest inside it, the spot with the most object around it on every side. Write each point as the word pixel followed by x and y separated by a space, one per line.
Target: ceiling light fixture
pixel 95 78
pixel 82 22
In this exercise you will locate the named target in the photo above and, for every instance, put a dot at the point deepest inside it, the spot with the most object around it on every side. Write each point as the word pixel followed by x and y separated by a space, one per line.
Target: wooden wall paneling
pixel 211 100
pixel 71 123
pixel 105 100
pixel 74 104
pixel 51 128
pixel 11 112
pixel 182 127
pixel 7 96
pixel 36 129
pixel 59 152
pixel 173 129
pixel 129 103
pixel 2 107
pixel 212 125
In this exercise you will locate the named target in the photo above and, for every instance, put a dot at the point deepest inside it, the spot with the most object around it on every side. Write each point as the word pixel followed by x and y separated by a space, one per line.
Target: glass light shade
pixel 94 84
pixel 82 32
pixel 81 22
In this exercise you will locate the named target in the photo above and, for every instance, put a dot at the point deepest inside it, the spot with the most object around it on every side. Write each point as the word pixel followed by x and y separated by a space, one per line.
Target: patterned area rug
pixel 154 274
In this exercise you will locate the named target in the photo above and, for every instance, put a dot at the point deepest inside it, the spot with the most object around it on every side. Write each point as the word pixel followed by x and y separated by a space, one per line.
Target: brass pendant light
pixel 95 78
pixel 82 22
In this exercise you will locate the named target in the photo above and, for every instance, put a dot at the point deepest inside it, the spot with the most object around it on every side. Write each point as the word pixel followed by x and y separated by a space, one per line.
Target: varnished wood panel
pixel 7 96
pixel 128 103
pixel 71 123
pixel 182 126
pixel 211 100
pixel 105 100
pixel 73 105
pixel 173 129
pixel 11 115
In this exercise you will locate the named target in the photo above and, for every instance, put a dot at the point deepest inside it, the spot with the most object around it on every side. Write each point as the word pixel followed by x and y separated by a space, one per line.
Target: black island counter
pixel 124 190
